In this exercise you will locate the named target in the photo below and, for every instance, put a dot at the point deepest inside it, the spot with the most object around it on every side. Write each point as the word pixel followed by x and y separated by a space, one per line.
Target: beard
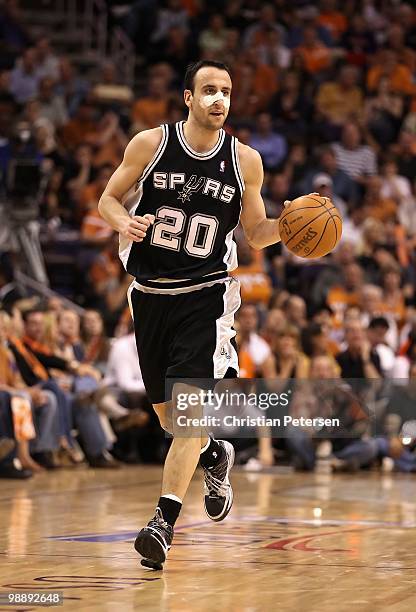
pixel 207 121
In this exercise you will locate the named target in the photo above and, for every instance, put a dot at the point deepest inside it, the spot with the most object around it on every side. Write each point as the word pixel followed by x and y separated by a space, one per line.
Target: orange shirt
pixel 89 196
pixel 105 267
pixel 400 80
pixel 8 370
pixel 383 209
pixel 315 58
pixel 149 111
pixel 110 153
pixel 335 22
pixel 255 283
pixel 76 132
pixel 338 300
pixel 254 96
pixel 247 366
pixel 396 309
pixel 94 228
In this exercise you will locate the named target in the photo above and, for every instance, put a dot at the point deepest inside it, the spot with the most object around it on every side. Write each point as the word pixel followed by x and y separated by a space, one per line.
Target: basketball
pixel 310 226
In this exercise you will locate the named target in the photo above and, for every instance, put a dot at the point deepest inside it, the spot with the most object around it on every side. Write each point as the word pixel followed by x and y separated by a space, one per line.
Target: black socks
pixel 170 505
pixel 212 454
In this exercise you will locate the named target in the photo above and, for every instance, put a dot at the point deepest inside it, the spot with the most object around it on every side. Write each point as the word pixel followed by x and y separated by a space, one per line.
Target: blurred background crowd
pixel 326 92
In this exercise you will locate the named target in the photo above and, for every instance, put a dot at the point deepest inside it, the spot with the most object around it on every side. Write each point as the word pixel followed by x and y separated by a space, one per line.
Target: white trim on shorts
pixel 225 356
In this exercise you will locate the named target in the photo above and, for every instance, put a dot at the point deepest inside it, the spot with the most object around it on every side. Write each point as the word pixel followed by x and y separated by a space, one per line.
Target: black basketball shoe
pixel 218 492
pixel 154 541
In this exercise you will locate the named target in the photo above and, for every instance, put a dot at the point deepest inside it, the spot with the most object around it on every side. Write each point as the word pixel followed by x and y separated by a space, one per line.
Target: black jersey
pixel 196 199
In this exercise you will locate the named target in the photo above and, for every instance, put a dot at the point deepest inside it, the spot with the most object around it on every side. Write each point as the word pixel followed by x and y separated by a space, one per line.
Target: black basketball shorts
pixel 185 335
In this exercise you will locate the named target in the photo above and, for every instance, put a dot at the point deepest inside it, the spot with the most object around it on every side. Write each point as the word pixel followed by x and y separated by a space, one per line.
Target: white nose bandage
pixel 208 101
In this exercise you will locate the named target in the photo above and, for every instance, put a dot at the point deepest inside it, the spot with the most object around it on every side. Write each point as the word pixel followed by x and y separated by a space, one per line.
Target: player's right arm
pixel 140 150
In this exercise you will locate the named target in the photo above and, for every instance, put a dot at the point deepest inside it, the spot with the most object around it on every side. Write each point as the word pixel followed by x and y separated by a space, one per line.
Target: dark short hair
pixel 192 69
pixel 378 322
pixel 26 314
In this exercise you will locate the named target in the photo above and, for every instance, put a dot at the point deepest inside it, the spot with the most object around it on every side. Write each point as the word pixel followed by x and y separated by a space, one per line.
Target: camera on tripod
pixel 24 177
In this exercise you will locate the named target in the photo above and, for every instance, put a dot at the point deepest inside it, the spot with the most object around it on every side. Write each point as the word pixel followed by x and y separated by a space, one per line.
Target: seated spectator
pixel 257 34
pixel 296 169
pixel 359 360
pixel 96 345
pixel 323 184
pixel 376 333
pixel 231 47
pixel 78 174
pixel 124 378
pixel 332 18
pixel 398 76
pixel 359 41
pixel 251 272
pixel 110 142
pixel 350 450
pixel 82 128
pixel 352 226
pixel 51 106
pixel 343 185
pixel 45 138
pixel 89 385
pixel 109 283
pixel 47 61
pixel 10 466
pixel 316 56
pixel 123 369
pixel 277 193
pixel 254 348
pixel 346 292
pixel 354 158
pixel 271 145
pixel 376 206
pixel 374 237
pixel 212 40
pixel 37 438
pixel 24 78
pixel 70 86
pixel 316 341
pixel 175 49
pixel 290 107
pixel 150 110
pixel 372 305
pixel 89 194
pixel 405 153
pixel 273 51
pixel 94 230
pixel 171 15
pixel 108 90
pixel 340 100
pixel 399 189
pixel 34 360
pixel 289 360
pixel 23 426
pixel 393 296
pixel 275 321
pixel 383 114
pixel 254 84
pixel 295 311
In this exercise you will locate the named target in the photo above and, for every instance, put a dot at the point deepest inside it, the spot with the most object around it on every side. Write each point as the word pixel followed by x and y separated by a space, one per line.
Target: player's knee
pixel 164 414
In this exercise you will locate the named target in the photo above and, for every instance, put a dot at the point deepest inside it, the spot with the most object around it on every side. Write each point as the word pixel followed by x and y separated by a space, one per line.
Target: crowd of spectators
pixel 325 91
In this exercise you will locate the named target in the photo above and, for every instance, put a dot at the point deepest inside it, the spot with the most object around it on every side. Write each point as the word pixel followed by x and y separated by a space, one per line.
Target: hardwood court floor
pixel 293 542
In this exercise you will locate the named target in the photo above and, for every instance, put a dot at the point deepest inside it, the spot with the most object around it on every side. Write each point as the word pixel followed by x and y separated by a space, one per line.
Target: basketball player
pixel 192 184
